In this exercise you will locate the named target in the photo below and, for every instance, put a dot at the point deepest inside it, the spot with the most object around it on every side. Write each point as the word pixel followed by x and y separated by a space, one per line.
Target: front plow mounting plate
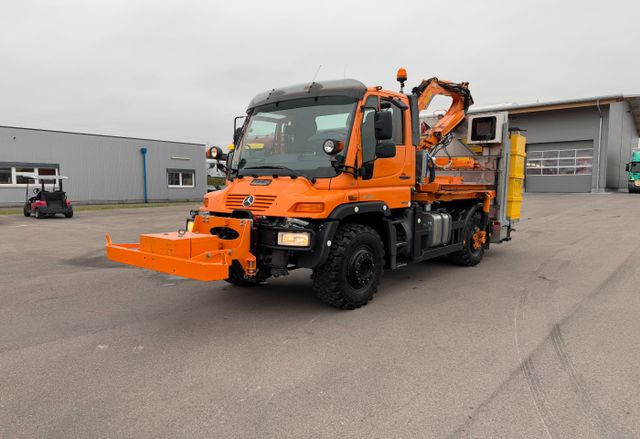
pixel 204 254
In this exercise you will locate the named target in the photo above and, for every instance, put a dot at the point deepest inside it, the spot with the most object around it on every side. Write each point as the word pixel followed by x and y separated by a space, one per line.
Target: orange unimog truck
pixel 344 179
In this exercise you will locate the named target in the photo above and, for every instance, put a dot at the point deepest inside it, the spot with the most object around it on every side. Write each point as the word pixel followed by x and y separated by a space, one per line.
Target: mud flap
pixel 205 254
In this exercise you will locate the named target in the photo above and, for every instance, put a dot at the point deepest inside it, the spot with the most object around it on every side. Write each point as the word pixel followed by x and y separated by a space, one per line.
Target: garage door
pixel 559 167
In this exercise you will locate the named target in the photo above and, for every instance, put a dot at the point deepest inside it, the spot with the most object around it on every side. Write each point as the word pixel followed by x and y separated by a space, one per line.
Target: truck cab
pixel 633 172
pixel 284 137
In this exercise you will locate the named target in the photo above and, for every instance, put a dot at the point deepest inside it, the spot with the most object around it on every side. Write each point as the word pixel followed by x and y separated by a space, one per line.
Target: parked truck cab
pixel 633 172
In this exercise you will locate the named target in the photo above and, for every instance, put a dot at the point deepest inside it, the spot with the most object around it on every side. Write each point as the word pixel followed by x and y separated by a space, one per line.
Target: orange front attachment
pixel 204 254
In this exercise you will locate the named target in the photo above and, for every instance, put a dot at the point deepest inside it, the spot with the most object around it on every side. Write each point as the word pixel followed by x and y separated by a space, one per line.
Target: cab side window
pixel 398 122
pixel 368 129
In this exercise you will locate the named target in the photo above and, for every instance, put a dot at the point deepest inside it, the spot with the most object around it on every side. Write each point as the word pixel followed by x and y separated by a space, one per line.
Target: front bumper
pixel 199 254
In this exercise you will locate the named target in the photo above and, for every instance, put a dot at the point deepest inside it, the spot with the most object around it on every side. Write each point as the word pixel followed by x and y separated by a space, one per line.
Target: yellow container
pixel 518 144
pixel 516 176
pixel 515 188
pixel 513 209
pixel 516 166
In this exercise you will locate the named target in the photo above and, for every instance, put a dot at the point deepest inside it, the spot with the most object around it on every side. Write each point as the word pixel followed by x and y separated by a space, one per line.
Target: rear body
pixel 337 177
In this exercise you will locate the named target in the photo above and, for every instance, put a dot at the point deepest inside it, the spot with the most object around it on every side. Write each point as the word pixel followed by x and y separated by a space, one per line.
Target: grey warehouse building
pixel 101 169
pixel 579 145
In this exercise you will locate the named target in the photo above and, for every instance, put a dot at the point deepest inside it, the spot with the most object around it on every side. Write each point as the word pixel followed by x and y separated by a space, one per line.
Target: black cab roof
pixel 340 87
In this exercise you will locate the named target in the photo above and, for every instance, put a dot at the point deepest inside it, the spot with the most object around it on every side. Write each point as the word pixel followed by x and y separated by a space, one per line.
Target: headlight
pixel 294 239
pixel 332 146
pixel 189 226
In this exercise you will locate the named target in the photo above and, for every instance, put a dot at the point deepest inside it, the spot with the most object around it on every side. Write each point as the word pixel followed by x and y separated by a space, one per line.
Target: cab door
pixel 386 179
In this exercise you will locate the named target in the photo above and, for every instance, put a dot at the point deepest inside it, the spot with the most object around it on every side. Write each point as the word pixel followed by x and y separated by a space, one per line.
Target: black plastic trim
pixel 349 209
pixel 318 255
pixel 342 87
pixel 439 251
pixel 415 120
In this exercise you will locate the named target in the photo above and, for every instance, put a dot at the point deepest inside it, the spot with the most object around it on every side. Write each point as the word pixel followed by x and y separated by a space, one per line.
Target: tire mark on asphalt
pixel 589 407
pixel 528 370
pixel 525 367
pixel 593 409
pixel 628 264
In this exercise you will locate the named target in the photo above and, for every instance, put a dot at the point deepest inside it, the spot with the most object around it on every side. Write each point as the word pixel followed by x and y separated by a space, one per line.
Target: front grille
pixel 260 202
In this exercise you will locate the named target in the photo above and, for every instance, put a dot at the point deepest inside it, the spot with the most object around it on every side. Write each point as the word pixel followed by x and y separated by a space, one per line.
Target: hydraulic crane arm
pixel 461 100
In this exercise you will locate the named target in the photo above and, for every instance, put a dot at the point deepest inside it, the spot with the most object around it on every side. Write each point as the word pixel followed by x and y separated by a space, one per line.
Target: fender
pixel 350 209
pixel 327 230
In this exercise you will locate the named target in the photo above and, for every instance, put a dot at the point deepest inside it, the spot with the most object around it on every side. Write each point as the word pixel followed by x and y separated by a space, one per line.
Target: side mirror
pixel 384 125
pixel 627 167
pixel 216 153
pixel 385 150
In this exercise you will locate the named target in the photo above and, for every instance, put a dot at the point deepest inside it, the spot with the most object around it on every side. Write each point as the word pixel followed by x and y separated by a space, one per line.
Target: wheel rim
pixel 476 241
pixel 361 269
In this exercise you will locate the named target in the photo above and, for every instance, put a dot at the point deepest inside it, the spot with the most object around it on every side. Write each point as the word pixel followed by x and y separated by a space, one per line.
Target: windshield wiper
pixel 294 174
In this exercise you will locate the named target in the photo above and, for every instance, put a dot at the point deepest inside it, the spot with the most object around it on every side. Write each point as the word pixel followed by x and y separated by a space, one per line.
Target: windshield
pixel 288 136
pixel 635 167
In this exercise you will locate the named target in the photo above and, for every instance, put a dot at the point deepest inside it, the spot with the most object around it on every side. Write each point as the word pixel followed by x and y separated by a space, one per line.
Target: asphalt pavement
pixel 541 340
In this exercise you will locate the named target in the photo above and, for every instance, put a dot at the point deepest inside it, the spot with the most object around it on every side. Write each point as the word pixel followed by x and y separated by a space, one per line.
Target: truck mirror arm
pixel 341 167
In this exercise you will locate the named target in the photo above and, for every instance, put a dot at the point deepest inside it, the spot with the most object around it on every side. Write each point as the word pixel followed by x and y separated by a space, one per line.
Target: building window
pixel 173 178
pixel 181 178
pixel 560 162
pixel 47 171
pixel 24 180
pixel 6 176
pixel 10 175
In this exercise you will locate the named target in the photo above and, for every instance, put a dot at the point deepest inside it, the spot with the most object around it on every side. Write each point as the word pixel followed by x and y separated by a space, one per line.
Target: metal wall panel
pixel 621 138
pixel 104 168
pixel 558 126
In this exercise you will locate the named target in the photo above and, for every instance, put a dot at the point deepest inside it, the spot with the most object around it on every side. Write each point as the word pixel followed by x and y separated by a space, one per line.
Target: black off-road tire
pixel 469 256
pixel 26 210
pixel 236 277
pixel 350 276
pixel 69 214
pixel 39 214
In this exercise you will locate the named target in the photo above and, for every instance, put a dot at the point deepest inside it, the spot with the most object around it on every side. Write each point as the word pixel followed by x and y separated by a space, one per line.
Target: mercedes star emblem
pixel 248 201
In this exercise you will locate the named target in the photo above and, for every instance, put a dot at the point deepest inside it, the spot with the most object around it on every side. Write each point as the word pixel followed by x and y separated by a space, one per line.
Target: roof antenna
pixel 316 75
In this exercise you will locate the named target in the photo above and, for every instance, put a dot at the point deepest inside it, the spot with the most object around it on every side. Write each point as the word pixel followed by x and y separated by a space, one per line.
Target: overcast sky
pixel 180 70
